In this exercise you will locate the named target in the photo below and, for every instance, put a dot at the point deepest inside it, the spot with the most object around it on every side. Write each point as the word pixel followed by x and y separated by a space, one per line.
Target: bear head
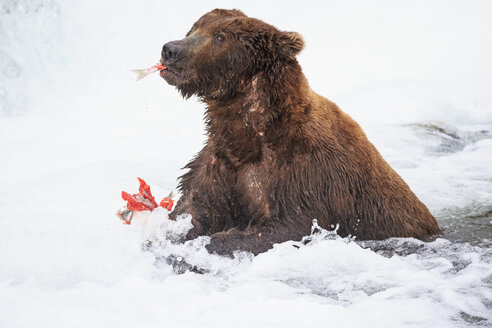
pixel 223 51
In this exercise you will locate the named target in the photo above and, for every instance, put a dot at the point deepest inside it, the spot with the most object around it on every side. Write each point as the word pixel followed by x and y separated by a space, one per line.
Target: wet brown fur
pixel 278 155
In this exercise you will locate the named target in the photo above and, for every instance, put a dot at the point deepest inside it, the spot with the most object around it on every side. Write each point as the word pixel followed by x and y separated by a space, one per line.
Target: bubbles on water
pixel 157 230
pixel 449 277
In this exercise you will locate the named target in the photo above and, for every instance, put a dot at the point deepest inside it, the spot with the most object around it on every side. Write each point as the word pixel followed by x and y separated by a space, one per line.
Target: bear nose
pixel 171 51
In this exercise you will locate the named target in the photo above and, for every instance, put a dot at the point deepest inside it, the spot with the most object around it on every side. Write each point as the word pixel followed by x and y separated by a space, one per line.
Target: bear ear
pixel 290 44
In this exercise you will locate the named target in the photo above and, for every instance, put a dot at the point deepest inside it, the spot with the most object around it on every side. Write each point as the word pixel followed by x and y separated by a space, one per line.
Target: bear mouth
pixel 173 76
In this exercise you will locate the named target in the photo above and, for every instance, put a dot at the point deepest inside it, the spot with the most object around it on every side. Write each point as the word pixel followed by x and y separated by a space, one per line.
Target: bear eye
pixel 219 37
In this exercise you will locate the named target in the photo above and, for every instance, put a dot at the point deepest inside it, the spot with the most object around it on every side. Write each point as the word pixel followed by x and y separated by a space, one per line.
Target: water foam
pixel 75 130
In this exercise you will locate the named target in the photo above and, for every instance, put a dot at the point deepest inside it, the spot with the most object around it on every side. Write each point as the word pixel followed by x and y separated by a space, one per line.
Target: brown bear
pixel 278 155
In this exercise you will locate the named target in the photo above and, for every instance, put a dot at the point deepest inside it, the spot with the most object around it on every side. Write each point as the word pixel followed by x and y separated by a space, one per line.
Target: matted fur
pixel 278 155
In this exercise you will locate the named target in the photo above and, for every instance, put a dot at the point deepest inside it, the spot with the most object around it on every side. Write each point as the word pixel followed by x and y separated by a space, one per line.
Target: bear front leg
pixel 226 242
pixel 185 206
pixel 206 218
pixel 254 240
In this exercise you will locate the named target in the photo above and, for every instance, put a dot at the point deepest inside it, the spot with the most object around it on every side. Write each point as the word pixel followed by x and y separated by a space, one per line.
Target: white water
pixel 76 129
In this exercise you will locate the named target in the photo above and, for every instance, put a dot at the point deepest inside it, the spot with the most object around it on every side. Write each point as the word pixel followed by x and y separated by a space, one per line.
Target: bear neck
pixel 242 124
pixel 271 93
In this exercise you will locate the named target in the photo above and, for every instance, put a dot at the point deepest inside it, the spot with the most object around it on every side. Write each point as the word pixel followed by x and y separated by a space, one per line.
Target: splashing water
pixel 345 274
pixel 75 130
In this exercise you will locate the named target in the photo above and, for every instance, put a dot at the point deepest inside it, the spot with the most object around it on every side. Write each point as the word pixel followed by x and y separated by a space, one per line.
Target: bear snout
pixel 171 52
